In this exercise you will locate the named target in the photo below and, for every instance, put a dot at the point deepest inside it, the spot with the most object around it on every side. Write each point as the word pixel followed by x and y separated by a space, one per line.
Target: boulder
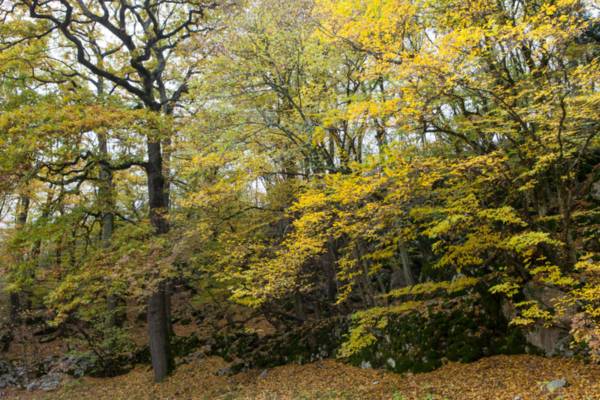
pixel 550 341
pixel 312 341
pixel 46 382
pixel 11 375
pixel 8 375
pixel 556 384
pixel 72 364
pixel 462 329
pixel 555 340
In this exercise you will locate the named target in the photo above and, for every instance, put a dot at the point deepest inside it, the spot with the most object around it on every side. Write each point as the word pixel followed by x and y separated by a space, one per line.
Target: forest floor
pixel 501 377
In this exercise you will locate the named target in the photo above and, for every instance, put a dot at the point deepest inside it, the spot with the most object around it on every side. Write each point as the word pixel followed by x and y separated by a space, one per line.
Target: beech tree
pixel 138 49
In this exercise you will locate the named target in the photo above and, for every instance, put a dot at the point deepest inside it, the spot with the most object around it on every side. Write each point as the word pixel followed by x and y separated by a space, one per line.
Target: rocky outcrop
pixel 312 341
pixel 46 375
pixel 549 340
pixel 462 329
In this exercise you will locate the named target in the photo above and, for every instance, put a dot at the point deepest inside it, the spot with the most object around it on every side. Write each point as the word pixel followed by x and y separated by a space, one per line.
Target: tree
pixel 141 44
pixel 504 127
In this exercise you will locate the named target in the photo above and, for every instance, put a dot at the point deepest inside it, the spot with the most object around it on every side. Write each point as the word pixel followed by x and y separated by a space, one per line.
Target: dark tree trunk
pixel 169 287
pixel 156 188
pixel 106 200
pixel 406 265
pixel 158 307
pixel 105 192
pixel 565 205
pixel 367 292
pixel 299 306
pixel 166 168
pixel 404 276
pixel 158 332
pixel 330 261
pixel 15 308
pixel 21 220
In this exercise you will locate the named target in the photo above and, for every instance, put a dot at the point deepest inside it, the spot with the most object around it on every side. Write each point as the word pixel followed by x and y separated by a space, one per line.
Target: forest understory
pixel 207 369
pixel 202 375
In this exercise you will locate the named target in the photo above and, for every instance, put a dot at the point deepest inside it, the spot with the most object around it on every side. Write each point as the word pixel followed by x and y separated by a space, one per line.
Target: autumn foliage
pixel 319 159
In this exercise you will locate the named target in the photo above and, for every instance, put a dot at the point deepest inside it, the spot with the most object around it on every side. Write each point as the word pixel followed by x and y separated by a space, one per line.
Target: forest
pixel 387 195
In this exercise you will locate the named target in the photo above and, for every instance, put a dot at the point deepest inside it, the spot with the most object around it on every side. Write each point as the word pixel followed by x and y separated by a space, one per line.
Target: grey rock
pixel 54 369
pixel 7 380
pixel 555 340
pixel 206 349
pixel 5 367
pixel 224 372
pixel 193 357
pixel 391 362
pixel 556 384
pixel 74 365
pixel 46 383
pixel 365 365
pixel 11 375
pixel 547 339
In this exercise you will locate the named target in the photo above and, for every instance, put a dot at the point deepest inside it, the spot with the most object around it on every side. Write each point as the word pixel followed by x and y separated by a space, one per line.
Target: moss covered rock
pixel 463 329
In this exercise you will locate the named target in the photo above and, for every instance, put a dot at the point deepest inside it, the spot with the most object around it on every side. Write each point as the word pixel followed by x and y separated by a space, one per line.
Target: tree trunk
pixel 21 220
pixel 106 200
pixel 299 306
pixel 406 266
pixel 565 207
pixel 158 332
pixel 105 189
pixel 402 276
pixel 15 308
pixel 329 261
pixel 367 292
pixel 158 318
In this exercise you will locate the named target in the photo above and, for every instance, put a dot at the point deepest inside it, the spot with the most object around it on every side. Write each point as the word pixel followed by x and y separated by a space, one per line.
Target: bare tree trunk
pixel 565 206
pixel 105 194
pixel 380 137
pixel 402 276
pixel 166 168
pixel 330 272
pixel 158 332
pixel 21 220
pixel 106 199
pixel 15 308
pixel 158 307
pixel 367 292
pixel 299 306
pixel 406 267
